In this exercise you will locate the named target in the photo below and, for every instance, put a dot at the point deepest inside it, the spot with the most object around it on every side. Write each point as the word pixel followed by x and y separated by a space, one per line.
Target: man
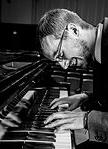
pixel 69 40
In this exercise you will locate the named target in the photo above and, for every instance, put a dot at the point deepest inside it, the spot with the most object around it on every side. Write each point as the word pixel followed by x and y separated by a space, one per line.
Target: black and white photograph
pixel 53 74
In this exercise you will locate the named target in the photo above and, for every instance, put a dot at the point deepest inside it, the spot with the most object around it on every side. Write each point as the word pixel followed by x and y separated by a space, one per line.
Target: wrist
pixel 84 95
pixel 85 120
pixel 83 98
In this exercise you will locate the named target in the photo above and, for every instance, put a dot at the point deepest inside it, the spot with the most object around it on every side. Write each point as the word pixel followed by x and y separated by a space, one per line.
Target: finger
pixel 58 115
pixel 58 123
pixel 70 126
pixel 60 102
pixel 59 99
pixel 65 127
pixel 13 117
pixel 2 131
pixel 55 100
pixel 8 123
pixel 72 107
pixel 52 117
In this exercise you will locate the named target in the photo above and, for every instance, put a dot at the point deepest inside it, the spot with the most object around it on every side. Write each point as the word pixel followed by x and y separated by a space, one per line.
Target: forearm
pixel 98 126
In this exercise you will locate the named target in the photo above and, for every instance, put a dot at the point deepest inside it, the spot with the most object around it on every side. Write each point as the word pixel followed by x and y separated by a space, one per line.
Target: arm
pixel 73 101
pixel 98 126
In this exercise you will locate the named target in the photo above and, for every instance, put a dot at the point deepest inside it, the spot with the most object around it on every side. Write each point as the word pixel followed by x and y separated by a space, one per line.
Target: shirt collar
pixel 98 43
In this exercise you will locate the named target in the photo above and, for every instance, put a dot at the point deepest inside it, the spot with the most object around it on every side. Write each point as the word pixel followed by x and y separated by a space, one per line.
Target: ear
pixel 73 28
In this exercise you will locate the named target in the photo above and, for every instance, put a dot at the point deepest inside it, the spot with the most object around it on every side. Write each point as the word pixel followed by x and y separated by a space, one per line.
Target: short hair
pixel 56 20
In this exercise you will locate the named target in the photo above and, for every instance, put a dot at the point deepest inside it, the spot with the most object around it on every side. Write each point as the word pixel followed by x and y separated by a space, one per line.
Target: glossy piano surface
pixel 32 133
pixel 39 84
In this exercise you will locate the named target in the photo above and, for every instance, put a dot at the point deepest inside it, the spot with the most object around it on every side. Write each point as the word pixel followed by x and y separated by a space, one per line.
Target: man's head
pixel 66 38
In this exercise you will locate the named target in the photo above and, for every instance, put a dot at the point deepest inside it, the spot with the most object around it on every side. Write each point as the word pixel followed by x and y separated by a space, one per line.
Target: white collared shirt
pixel 98 43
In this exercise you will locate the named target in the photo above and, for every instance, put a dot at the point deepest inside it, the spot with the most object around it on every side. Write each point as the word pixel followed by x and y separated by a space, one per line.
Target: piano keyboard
pixel 33 133
pixel 63 139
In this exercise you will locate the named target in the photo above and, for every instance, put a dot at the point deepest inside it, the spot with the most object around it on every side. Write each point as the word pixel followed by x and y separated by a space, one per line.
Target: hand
pixel 11 120
pixel 2 131
pixel 65 120
pixel 73 101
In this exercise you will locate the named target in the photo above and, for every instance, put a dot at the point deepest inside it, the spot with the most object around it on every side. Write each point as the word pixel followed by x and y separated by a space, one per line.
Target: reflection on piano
pixel 28 93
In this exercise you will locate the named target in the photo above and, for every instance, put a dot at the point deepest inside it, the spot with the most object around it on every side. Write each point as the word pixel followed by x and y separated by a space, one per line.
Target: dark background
pixel 30 11
pixel 19 17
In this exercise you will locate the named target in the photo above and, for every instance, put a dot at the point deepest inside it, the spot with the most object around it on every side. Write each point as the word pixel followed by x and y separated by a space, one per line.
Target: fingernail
pixel 45 122
pixel 50 104
pixel 46 126
pixel 52 107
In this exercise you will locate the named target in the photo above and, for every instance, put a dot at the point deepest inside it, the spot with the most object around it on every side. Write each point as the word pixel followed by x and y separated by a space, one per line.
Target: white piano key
pixel 63 93
pixel 29 95
pixel 80 135
pixel 63 139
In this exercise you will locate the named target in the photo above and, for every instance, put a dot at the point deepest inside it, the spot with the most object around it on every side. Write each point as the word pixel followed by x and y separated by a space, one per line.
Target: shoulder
pixel 105 24
pixel 102 39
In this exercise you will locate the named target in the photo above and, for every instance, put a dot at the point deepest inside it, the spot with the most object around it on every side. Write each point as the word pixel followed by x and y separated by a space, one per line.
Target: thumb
pixel 73 107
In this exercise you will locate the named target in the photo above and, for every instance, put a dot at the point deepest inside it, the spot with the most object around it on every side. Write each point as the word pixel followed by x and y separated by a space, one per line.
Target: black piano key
pixel 41 137
pixel 44 130
pixel 15 136
pixel 33 129
pixel 34 133
pixel 11 145
pixel 38 145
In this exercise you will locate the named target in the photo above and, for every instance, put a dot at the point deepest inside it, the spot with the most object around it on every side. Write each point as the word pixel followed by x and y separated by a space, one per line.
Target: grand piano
pixel 28 84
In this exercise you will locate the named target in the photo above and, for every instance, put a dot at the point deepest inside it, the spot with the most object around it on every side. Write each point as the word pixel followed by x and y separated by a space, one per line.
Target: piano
pixel 27 92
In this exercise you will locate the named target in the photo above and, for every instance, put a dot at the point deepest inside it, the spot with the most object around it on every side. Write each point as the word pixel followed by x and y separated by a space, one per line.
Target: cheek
pixel 48 53
pixel 50 48
pixel 69 51
pixel 72 49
